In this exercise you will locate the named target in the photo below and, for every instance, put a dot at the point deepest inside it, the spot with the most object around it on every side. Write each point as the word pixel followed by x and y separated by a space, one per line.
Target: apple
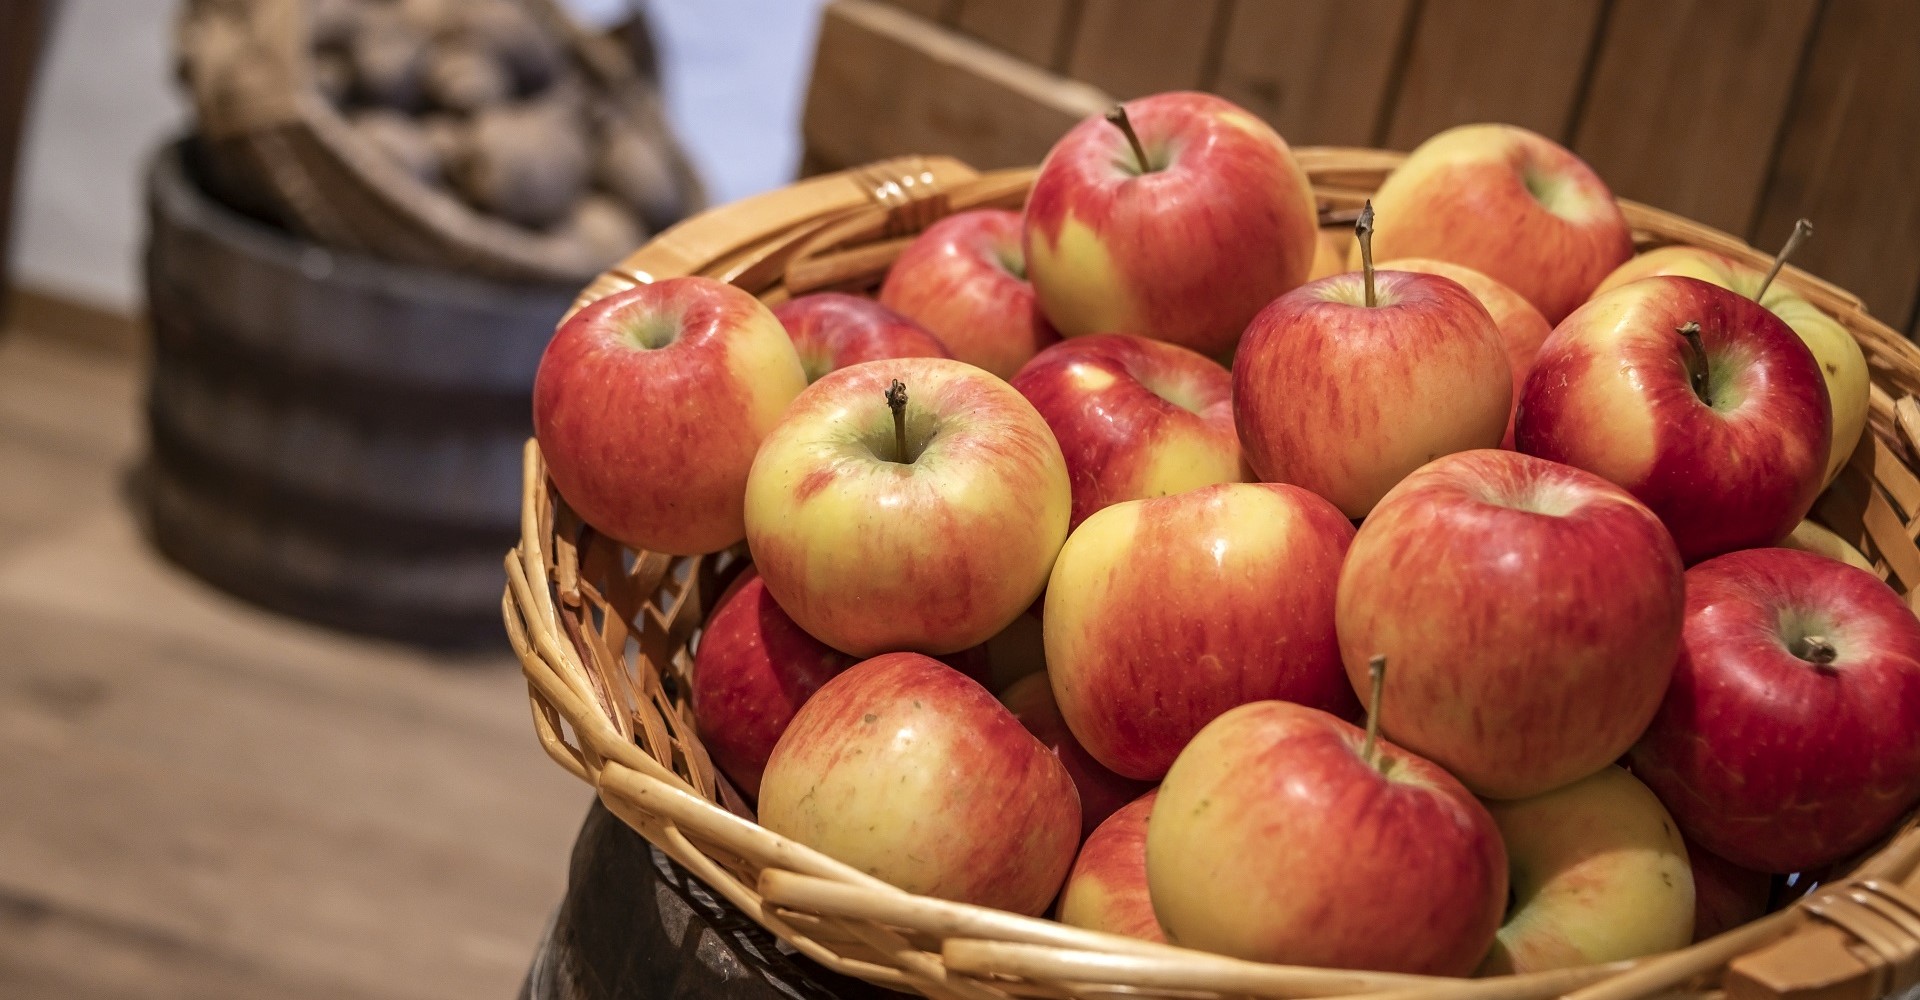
pixel 1030 699
pixel 1790 737
pixel 1521 326
pixel 1347 384
pixel 1511 204
pixel 914 774
pixel 1019 650
pixel 965 280
pixel 1530 611
pixel 1177 217
pixel 1107 887
pixel 1162 614
pixel 1842 363
pixel 1697 400
pixel 1810 537
pixel 1598 874
pixel 832 330
pixel 1283 834
pixel 1725 895
pixel 926 527
pixel 650 404
pixel 1135 418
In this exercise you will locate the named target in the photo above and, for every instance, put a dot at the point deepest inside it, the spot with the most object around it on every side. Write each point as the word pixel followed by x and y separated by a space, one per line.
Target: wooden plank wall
pixel 1745 114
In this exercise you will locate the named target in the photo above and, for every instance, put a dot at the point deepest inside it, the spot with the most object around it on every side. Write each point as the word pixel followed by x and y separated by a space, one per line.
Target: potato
pixel 634 167
pixel 603 226
pixel 461 76
pixel 387 55
pixel 526 163
pixel 401 140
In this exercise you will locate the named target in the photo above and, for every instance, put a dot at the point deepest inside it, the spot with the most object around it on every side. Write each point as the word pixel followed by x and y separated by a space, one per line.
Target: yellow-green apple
pixel 1346 385
pixel 965 279
pixel 1519 323
pixel 832 330
pixel 1810 537
pixel 1790 737
pixel 650 404
pixel 1135 418
pixel 1030 699
pixel 1842 363
pixel 1531 612
pixel 1509 203
pixel 1177 217
pixel 1598 874
pixel 1725 895
pixel 914 774
pixel 1281 835
pixel 928 526
pixel 1701 403
pixel 1107 888
pixel 1161 614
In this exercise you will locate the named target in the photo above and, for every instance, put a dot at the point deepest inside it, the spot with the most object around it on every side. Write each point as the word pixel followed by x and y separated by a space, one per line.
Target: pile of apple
pixel 1402 619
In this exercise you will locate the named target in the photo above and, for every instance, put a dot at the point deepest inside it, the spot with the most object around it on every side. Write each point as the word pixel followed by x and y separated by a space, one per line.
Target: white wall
pixel 734 74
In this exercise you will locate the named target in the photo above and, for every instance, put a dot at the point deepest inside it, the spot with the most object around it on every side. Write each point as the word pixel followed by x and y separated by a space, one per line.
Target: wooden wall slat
pixel 1034 30
pixel 1851 156
pixel 1144 46
pixel 1516 61
pixel 938 11
pixel 1316 70
pixel 1686 101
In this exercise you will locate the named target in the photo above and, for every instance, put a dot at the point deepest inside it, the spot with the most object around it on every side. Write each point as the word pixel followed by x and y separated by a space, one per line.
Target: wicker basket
pixel 603 631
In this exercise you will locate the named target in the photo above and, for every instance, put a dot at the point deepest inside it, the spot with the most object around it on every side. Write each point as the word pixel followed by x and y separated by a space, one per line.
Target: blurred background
pixel 279 272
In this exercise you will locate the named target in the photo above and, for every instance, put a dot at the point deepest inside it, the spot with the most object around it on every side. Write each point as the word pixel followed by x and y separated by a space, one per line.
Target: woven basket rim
pixel 575 603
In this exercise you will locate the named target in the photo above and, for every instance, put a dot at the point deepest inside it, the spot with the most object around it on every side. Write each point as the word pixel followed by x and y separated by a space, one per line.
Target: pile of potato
pixel 478 98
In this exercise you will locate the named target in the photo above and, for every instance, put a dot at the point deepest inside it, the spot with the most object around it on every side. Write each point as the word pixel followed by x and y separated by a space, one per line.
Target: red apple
pixel 1790 737
pixel 650 404
pixel 1725 895
pixel 1276 837
pixel 1509 203
pixel 1345 399
pixel 1182 237
pixel 1162 614
pixel 1723 432
pixel 832 330
pixel 965 279
pixel 1529 613
pixel 1030 699
pixel 914 774
pixel 1135 418
pixel 1107 888
pixel 937 548
pixel 1520 324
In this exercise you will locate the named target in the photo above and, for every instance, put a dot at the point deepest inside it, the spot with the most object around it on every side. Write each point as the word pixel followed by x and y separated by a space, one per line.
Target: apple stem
pixel 1363 228
pixel 1815 649
pixel 897 402
pixel 1370 750
pixel 1118 117
pixel 1801 230
pixel 1696 360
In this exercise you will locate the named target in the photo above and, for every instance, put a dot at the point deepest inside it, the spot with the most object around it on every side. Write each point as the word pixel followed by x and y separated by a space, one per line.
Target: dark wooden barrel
pixel 333 436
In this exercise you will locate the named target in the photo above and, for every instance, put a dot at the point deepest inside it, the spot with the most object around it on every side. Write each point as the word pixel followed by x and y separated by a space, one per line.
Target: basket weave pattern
pixel 602 632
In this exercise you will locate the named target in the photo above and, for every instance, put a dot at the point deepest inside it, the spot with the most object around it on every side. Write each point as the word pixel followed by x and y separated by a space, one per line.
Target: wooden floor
pixel 199 799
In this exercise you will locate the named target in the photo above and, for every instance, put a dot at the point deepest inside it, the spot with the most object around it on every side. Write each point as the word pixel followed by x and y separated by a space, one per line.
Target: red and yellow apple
pixel 1107 888
pixel 1030 699
pixel 1521 326
pixel 832 330
pixel 1135 418
pixel 1345 399
pixel 1842 363
pixel 1509 203
pixel 1330 252
pixel 1275 839
pixel 1701 403
pixel 965 280
pixel 1810 537
pixel 1161 614
pixel 1790 737
pixel 1598 874
pixel 934 549
pixel 1529 613
pixel 1181 239
pixel 650 404
pixel 914 774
